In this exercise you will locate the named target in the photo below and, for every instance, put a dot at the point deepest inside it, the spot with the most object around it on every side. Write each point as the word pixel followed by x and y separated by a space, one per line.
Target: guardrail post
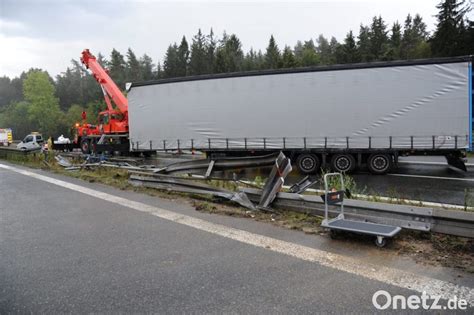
pixel 284 143
pixel 209 142
pixel 264 143
pixel 433 137
pixel 245 142
pixel 227 143
pixel 164 145
pixel 178 145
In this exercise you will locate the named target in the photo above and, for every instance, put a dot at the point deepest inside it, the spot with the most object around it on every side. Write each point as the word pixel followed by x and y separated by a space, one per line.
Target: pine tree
pixel 288 58
pixel 272 55
pixel 378 38
pixel 395 41
pixel 133 67
pixel 182 58
pixel 309 57
pixel 447 39
pixel 159 72
pixel 364 44
pixel 146 67
pixel 250 61
pixel 324 50
pixel 170 63
pixel 198 61
pixel 234 54
pixel 117 68
pixel 413 43
pixel 211 51
pixel 229 54
pixel 349 52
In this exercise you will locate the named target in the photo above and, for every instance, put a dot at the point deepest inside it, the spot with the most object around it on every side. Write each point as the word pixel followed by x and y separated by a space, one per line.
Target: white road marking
pixel 429 163
pixel 396 277
pixel 434 177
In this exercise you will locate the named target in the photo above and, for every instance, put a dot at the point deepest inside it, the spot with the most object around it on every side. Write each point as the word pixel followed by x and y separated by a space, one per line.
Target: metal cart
pixel 335 197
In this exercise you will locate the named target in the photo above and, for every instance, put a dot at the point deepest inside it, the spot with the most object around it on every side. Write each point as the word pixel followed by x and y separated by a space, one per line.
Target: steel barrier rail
pixel 220 163
pixel 452 222
pixel 5 151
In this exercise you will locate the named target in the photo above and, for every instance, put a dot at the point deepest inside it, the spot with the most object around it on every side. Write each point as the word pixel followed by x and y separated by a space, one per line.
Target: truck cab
pixel 6 137
pixel 31 142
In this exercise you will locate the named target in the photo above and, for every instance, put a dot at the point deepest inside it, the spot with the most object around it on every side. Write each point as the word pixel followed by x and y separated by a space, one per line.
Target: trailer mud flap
pixel 456 161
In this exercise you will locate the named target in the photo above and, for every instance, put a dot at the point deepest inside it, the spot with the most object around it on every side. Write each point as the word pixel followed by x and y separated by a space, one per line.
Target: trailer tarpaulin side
pixel 407 106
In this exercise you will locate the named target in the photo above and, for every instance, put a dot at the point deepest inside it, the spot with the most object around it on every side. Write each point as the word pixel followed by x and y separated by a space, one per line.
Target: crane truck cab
pixel 31 142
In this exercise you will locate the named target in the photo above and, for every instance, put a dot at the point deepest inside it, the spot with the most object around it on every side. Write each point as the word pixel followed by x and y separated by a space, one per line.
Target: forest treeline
pixel 36 101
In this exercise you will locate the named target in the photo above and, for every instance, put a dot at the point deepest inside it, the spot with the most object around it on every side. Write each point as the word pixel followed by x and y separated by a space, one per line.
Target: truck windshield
pixel 104 119
pixel 117 116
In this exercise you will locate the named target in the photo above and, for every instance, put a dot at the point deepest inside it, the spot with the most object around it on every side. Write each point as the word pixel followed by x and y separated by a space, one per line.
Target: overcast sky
pixel 47 34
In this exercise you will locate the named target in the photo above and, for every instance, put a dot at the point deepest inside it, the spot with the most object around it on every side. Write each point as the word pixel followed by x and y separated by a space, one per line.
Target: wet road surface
pixel 68 246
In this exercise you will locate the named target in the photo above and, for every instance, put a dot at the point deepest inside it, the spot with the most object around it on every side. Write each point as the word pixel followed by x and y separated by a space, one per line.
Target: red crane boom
pixel 110 89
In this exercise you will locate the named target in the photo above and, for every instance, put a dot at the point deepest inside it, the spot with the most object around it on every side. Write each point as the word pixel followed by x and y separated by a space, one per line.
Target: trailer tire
pixel 343 163
pixel 379 163
pixel 85 146
pixel 308 163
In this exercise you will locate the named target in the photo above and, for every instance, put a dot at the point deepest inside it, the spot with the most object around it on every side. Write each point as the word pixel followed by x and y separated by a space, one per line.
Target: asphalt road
pixel 62 250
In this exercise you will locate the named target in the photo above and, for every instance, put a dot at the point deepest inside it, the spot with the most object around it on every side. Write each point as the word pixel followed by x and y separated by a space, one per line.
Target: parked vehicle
pixel 342 116
pixel 6 136
pixel 32 141
pixel 111 132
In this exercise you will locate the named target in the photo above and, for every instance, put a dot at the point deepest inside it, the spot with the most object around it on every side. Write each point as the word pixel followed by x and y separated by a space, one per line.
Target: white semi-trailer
pixel 342 115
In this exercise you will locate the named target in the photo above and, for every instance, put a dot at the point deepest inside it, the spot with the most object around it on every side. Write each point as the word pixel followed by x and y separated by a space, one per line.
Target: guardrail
pixel 9 151
pixel 452 222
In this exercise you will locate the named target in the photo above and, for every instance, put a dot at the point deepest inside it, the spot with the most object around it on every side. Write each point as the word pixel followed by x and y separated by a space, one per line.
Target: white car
pixel 31 142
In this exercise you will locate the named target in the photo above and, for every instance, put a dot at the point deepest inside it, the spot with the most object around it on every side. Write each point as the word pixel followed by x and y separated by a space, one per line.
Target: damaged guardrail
pixel 187 185
pixel 224 163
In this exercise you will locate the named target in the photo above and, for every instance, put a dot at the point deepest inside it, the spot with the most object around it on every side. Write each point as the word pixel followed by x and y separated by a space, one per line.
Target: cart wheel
pixel 334 234
pixel 380 241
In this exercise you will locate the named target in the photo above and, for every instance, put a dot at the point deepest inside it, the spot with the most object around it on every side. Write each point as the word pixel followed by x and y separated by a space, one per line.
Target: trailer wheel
pixel 379 163
pixel 85 146
pixel 343 163
pixel 308 163
pixel 380 241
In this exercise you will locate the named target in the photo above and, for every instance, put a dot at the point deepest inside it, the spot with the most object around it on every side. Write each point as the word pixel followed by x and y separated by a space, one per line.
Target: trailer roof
pixel 350 66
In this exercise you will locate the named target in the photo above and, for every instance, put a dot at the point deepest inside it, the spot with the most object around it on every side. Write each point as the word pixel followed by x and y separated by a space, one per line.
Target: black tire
pixel 308 163
pixel 85 146
pixel 379 163
pixel 380 242
pixel 343 163
pixel 335 235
